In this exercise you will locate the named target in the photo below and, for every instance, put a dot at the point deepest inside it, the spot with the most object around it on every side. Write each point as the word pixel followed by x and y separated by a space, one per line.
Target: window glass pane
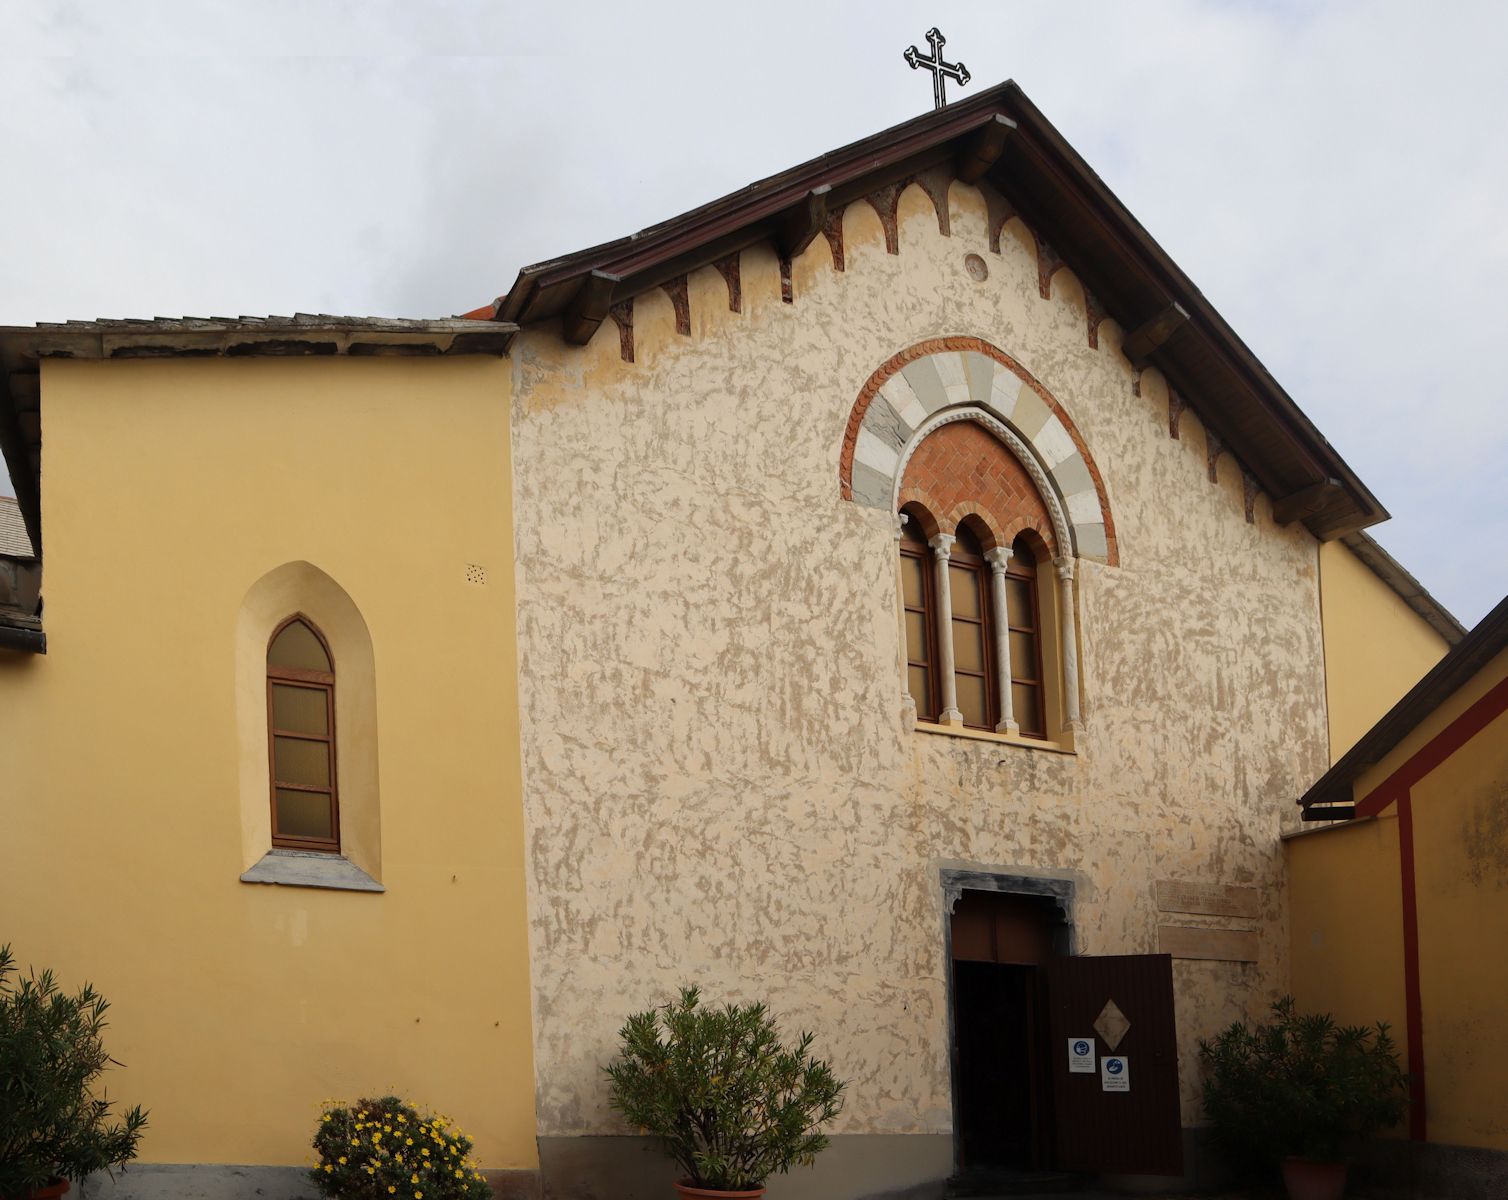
pixel 971 700
pixel 1027 703
pixel 1023 656
pixel 297 647
pixel 921 692
pixel 300 709
pixel 912 587
pixel 964 585
pixel 304 814
pixel 967 543
pixel 916 638
pixel 968 646
pixel 1018 601
pixel 295 761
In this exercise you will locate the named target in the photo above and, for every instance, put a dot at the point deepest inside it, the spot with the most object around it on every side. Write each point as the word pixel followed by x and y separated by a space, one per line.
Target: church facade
pixel 923 612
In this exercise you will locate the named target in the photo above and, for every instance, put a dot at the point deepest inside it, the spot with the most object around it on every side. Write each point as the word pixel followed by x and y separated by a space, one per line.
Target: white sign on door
pixel 1115 1073
pixel 1081 1056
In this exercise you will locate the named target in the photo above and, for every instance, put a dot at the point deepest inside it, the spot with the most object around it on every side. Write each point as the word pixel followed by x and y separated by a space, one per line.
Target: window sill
pixel 309 868
pixel 1063 744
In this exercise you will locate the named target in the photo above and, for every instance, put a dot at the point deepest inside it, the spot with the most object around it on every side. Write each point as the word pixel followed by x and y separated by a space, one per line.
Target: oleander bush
pixel 53 1125
pixel 1300 1085
pixel 726 1100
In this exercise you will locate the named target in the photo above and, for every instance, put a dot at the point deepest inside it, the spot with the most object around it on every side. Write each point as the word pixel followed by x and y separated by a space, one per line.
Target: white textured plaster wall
pixel 719 787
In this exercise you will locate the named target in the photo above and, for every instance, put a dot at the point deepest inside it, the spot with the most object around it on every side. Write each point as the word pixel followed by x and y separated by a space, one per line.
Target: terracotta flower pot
pixel 687 1192
pixel 51 1192
pixel 1310 1179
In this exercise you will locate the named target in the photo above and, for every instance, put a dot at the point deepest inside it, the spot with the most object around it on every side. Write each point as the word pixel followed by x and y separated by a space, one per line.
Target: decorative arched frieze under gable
pixel 941 377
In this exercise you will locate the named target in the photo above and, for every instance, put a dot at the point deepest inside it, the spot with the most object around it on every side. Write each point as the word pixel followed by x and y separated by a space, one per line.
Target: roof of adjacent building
pixel 996 138
pixel 1410 590
pixel 1481 645
pixel 14 541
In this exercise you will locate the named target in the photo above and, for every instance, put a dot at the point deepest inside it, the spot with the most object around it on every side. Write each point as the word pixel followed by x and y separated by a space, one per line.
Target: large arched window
pixel 919 599
pixel 973 650
pixel 301 738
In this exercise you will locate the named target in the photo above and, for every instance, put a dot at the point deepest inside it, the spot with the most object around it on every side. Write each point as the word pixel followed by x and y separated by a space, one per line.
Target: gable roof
pixel 999 138
pixel 1486 641
pixel 996 138
pixel 14 542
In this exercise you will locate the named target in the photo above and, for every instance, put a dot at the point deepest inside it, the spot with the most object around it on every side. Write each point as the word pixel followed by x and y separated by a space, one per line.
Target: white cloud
pixel 1331 175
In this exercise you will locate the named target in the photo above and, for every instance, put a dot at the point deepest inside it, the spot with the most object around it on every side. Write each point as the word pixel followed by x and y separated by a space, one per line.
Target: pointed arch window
pixel 301 738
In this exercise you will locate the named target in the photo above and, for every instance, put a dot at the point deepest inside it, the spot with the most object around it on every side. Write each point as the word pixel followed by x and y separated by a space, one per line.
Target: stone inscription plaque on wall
pixel 1211 899
pixel 1225 945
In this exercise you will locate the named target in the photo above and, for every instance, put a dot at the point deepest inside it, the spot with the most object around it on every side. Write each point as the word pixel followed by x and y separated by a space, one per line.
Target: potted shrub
pixel 1298 1092
pixel 53 1128
pixel 728 1102
pixel 385 1148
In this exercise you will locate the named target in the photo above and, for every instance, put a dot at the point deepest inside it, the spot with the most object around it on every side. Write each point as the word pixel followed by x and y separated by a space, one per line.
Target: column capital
pixel 1065 565
pixel 900 525
pixel 942 545
pixel 999 558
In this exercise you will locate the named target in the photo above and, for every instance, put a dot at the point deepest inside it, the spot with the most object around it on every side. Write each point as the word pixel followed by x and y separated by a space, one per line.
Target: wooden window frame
pixel 1032 578
pixel 922 552
pixel 981 574
pixel 314 681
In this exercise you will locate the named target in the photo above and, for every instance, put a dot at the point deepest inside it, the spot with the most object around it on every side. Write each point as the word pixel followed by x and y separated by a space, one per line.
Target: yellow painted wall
pixel 169 489
pixel 1346 917
pixel 1461 865
pixel 1376 646
pixel 1345 923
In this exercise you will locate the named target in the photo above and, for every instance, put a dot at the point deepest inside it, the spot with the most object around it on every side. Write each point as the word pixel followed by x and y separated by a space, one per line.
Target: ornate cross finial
pixel 940 70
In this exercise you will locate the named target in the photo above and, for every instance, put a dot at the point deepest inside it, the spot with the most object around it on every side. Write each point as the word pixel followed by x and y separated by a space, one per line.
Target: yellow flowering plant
pixel 386 1149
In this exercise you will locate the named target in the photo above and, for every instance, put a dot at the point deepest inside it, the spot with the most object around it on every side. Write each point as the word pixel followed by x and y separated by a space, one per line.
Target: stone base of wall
pixel 854 1167
pixel 1392 1169
pixel 213 1181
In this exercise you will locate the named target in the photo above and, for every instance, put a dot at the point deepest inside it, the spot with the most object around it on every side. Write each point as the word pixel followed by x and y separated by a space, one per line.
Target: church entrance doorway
pixel 1001 945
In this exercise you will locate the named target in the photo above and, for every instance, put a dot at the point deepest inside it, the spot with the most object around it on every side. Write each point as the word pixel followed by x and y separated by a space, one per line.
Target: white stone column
pixel 908 702
pixel 942 550
pixel 1069 637
pixel 999 559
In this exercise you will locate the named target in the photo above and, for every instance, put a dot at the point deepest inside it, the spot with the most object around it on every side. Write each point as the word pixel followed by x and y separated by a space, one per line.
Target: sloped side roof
pixel 14 540
pixel 998 138
pixel 1409 590
pixel 303 334
pixel 1486 641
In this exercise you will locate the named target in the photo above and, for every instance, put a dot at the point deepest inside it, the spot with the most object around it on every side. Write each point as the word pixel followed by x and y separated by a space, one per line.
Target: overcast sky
pixel 1333 176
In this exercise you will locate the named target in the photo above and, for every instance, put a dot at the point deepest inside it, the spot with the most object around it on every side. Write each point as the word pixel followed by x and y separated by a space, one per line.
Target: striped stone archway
pixel 902 400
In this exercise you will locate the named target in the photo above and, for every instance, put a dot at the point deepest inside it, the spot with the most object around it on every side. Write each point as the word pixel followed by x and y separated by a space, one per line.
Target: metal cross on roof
pixel 940 70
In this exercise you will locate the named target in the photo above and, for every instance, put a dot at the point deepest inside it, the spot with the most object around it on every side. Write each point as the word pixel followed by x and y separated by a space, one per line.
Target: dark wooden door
pixel 1133 1132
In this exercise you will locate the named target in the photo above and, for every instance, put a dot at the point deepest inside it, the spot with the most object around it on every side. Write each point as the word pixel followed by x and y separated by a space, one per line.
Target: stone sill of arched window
pixel 312 869
pixel 1063 743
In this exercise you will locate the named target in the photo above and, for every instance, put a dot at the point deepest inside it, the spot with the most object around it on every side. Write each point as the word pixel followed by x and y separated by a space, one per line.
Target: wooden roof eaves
pixel 1413 593
pixel 1307 478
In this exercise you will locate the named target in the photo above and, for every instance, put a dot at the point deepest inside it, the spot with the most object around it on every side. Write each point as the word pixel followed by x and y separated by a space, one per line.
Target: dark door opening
pixel 1002 1077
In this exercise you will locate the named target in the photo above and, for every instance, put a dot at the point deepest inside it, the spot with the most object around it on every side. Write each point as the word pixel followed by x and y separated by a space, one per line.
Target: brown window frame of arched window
pixel 1029 673
pixel 307 680
pixel 970 575
pixel 913 544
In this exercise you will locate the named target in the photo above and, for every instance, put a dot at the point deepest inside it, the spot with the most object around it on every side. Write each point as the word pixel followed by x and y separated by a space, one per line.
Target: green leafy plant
pixel 1300 1085
pixel 52 1126
pixel 727 1101
pixel 385 1148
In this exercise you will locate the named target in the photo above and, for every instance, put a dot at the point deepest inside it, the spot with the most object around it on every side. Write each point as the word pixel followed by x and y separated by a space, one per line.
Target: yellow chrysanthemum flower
pixel 425 1151
pixel 391 1189
pixel 328 1167
pixel 341 1160
pixel 418 1196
